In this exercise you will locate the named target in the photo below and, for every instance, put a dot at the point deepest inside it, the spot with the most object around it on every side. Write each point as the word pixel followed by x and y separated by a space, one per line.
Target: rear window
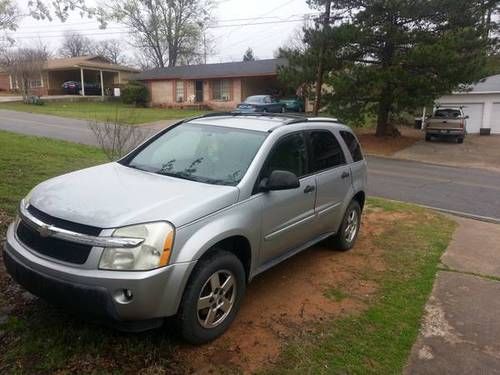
pixel 447 113
pixel 353 145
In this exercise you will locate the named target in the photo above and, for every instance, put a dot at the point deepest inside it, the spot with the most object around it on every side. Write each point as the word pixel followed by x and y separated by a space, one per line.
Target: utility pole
pixel 321 57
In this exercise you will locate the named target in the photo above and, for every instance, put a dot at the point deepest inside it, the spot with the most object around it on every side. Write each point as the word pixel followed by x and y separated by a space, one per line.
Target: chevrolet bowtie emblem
pixel 44 231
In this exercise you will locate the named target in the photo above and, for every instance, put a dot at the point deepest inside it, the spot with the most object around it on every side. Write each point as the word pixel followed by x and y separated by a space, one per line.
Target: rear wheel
pixel 212 298
pixel 460 140
pixel 428 137
pixel 349 229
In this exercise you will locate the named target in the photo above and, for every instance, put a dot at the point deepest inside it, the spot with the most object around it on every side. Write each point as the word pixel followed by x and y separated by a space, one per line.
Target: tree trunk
pixel 384 126
pixel 321 58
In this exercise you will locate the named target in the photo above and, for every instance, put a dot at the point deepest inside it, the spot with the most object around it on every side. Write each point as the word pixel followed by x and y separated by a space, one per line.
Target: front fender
pixel 192 241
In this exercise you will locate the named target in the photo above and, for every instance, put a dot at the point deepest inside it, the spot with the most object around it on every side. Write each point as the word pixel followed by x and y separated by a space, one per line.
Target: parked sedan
pixel 293 104
pixel 261 103
pixel 75 88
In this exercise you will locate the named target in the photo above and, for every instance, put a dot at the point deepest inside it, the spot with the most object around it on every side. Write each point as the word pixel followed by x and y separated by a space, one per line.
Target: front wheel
pixel 212 297
pixel 349 229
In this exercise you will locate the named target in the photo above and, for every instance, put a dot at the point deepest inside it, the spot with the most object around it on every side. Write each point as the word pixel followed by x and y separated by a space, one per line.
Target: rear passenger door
pixel 333 178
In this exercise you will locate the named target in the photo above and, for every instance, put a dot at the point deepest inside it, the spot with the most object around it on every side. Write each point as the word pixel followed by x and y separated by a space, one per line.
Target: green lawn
pixel 102 111
pixel 26 161
pixel 40 339
pixel 379 340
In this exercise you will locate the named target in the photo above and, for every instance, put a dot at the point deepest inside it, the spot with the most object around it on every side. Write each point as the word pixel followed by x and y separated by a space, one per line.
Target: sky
pixel 232 31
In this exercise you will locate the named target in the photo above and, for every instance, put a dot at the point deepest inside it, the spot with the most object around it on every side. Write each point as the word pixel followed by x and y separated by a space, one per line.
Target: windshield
pixel 203 153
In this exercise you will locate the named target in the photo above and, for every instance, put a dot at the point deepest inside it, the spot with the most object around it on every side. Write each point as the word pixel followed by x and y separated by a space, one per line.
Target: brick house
pixel 88 69
pixel 216 86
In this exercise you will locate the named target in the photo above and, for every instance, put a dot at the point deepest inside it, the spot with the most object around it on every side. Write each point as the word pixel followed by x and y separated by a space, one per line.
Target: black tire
pixel 460 140
pixel 341 241
pixel 428 138
pixel 190 327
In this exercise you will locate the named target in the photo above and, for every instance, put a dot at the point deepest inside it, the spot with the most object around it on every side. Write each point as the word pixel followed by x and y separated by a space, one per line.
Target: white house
pixel 481 103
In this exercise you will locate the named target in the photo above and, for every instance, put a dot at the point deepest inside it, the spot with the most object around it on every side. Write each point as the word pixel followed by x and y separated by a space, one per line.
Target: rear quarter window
pixel 353 145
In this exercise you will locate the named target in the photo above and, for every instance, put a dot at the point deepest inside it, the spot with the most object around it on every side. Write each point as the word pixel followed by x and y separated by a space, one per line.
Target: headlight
pixel 153 253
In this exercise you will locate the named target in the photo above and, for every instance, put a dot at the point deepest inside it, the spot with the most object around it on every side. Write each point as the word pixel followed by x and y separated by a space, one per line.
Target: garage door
pixel 475 113
pixel 495 119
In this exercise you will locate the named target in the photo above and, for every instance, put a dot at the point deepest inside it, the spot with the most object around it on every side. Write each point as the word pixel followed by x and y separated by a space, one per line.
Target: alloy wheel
pixel 216 299
pixel 352 226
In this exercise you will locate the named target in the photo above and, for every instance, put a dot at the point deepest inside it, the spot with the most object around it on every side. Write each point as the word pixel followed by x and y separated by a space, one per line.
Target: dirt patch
pixel 287 301
pixel 317 285
pixel 387 146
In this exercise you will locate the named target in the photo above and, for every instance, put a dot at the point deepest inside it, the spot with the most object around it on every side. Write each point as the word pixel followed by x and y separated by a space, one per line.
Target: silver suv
pixel 179 226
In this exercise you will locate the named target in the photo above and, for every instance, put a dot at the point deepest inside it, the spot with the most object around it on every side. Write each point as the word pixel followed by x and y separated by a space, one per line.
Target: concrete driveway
pixel 476 152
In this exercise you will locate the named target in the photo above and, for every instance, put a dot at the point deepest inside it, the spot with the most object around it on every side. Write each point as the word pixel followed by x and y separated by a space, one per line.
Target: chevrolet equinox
pixel 180 225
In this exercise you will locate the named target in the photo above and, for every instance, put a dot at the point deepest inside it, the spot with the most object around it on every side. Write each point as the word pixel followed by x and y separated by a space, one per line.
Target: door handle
pixel 345 174
pixel 309 189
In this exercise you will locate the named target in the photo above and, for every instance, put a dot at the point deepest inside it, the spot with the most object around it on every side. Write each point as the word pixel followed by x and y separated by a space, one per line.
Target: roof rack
pixel 292 117
pixel 253 114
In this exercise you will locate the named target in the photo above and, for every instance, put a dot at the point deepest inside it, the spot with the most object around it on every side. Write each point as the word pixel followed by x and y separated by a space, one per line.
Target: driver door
pixel 287 215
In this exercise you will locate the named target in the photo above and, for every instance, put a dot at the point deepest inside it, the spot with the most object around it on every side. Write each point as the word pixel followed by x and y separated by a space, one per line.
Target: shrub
pixel 135 93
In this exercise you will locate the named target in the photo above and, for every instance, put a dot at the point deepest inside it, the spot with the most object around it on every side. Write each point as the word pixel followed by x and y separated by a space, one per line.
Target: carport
pixel 83 69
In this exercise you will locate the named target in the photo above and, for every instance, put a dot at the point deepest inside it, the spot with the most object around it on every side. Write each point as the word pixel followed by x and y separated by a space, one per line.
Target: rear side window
pixel 352 145
pixel 289 155
pixel 326 151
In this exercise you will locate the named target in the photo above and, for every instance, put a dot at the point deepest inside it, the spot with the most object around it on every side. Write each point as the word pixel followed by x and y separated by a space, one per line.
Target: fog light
pixel 123 296
pixel 128 294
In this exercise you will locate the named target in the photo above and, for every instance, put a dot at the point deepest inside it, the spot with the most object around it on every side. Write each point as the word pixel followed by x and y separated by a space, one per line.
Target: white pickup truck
pixel 446 122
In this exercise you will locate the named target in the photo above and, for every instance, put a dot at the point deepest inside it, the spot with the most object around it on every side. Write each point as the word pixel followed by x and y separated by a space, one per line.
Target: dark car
pixel 293 104
pixel 261 103
pixel 75 87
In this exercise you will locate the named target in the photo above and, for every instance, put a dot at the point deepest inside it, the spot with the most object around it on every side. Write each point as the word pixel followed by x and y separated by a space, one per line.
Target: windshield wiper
pixel 177 175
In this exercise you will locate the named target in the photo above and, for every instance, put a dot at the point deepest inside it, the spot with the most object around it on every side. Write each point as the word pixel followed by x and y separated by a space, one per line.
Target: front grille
pixel 53 247
pixel 63 224
pixel 65 251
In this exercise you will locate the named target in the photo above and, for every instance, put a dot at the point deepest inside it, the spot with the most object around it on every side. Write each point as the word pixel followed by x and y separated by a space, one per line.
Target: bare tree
pixel 115 137
pixel 25 67
pixel 167 32
pixel 111 49
pixel 75 44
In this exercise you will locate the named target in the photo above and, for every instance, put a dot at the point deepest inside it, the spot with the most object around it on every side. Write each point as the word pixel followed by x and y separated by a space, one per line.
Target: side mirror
pixel 279 180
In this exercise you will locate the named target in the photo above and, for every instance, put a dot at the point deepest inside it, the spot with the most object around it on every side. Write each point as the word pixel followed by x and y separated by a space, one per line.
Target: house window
pixel 34 83
pixel 179 91
pixel 221 89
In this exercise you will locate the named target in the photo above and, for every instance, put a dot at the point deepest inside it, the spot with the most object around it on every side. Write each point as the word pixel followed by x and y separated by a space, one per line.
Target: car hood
pixel 112 195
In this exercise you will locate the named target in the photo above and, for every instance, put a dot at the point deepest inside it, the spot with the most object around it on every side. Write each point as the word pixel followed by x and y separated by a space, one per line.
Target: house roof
pixel 93 61
pixel 488 85
pixel 222 70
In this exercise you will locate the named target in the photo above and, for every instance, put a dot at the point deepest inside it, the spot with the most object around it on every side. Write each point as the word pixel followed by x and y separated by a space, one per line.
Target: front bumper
pixel 97 293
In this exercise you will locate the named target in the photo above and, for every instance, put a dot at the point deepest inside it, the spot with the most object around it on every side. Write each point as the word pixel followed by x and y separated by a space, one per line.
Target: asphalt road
pixel 66 129
pixel 472 191
pixel 468 190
